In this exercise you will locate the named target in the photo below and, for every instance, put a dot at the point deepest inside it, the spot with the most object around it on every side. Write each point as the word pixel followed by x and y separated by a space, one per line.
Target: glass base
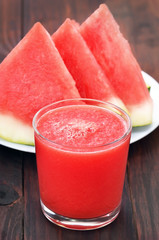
pixel 80 224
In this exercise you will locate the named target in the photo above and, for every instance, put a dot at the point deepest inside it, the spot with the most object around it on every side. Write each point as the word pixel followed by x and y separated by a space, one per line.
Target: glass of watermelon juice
pixel 81 151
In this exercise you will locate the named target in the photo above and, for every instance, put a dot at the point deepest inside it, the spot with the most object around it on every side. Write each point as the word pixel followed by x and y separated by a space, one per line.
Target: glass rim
pixel 113 106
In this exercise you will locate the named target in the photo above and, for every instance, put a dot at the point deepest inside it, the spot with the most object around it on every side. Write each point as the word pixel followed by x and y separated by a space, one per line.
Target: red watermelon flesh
pixel 113 53
pixel 32 76
pixel 81 63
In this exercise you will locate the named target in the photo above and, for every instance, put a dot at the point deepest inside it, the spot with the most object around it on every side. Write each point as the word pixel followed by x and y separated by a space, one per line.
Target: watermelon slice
pixel 113 53
pixel 81 63
pixel 31 76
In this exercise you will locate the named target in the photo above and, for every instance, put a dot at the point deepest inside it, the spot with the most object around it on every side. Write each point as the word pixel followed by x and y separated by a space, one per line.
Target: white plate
pixel 21 147
pixel 141 132
pixel 137 133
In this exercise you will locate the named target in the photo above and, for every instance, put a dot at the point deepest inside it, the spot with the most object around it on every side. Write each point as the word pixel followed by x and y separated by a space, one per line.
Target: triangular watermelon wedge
pixel 90 79
pixel 113 53
pixel 31 76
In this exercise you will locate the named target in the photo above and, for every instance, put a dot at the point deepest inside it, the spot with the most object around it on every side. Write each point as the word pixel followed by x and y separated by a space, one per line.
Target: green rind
pixel 14 130
pixel 141 115
pixel 148 87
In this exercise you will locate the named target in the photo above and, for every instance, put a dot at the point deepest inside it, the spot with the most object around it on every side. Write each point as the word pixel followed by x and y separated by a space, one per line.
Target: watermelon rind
pixel 141 115
pixel 14 130
pixel 148 87
pixel 119 103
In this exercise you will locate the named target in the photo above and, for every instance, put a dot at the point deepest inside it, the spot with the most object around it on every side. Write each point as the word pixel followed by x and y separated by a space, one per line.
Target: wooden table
pixel 20 214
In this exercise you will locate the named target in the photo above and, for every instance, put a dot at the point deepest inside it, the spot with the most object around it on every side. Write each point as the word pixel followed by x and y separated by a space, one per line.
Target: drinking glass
pixel 81 185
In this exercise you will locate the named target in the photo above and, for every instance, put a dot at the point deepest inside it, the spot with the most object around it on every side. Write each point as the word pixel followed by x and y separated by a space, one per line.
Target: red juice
pixel 81 155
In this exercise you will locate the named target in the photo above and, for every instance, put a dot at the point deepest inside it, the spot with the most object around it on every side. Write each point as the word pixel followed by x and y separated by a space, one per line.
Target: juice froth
pixel 81 126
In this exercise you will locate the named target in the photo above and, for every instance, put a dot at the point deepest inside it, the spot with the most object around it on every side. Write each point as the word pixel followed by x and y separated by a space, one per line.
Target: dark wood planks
pixel 145 32
pixel 10 25
pixel 11 194
pixel 53 13
pixel 143 165
pixel 11 179
pixel 144 182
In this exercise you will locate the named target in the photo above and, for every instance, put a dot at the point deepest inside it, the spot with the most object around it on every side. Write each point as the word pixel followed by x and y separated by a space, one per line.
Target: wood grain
pixel 11 194
pixel 10 25
pixel 53 13
pixel 144 182
pixel 143 165
pixel 145 32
